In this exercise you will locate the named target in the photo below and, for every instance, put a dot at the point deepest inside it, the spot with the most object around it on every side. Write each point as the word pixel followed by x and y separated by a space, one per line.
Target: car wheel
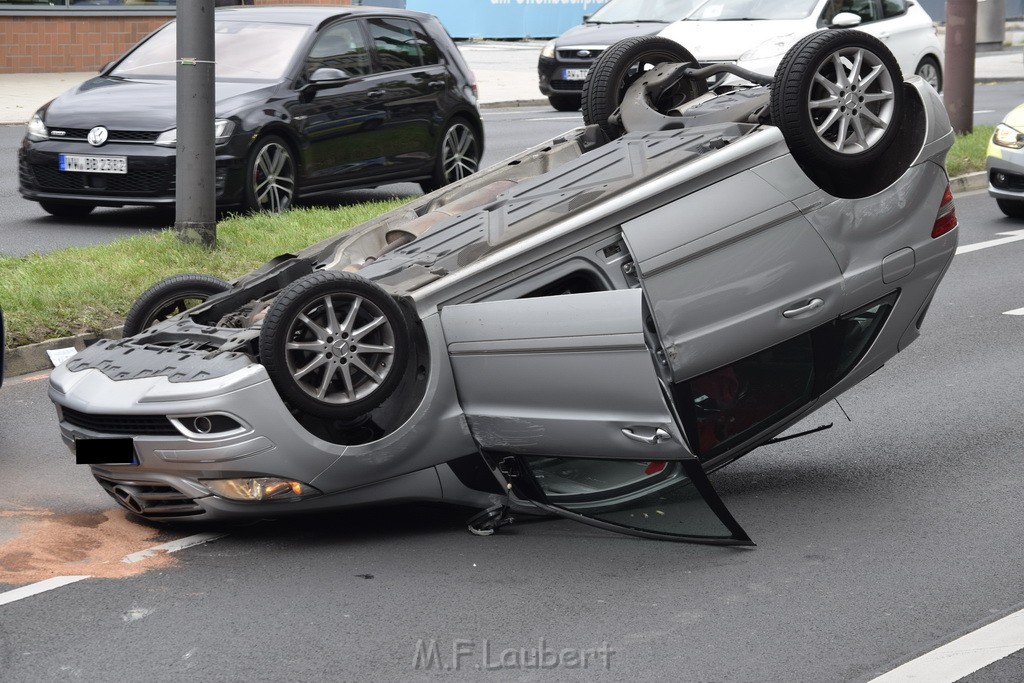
pixel 931 72
pixel 61 210
pixel 838 99
pixel 1011 207
pixel 335 344
pixel 458 155
pixel 170 297
pixel 565 102
pixel 618 67
pixel 270 176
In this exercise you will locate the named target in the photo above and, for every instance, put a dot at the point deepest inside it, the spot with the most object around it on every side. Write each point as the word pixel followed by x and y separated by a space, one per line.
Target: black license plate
pixel 105 452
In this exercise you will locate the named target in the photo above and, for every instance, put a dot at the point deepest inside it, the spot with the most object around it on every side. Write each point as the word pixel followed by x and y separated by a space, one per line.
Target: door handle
pixel 654 439
pixel 374 94
pixel 436 85
pixel 812 305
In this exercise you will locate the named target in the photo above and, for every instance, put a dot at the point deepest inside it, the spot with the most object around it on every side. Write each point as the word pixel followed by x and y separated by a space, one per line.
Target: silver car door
pixel 563 391
pixel 737 281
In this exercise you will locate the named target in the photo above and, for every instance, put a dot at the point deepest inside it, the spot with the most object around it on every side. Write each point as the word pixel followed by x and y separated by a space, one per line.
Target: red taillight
pixel 946 220
pixel 654 467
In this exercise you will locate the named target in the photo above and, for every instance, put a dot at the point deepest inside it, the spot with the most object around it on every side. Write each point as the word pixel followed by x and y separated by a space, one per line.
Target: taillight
pixel 473 86
pixel 946 220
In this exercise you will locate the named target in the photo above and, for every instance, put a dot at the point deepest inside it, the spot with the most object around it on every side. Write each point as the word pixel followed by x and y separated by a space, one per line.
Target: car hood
pixel 605 34
pixel 137 105
pixel 1015 119
pixel 727 40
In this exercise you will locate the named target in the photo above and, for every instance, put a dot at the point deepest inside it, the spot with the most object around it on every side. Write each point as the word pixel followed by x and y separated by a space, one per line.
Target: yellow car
pixel 1005 164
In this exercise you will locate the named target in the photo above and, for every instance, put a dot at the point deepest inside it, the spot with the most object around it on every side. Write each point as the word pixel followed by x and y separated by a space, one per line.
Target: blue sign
pixel 506 18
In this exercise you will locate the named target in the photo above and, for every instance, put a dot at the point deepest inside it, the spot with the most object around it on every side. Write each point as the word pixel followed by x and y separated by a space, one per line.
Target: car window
pixel 396 44
pixel 893 8
pixel 727 405
pixel 340 46
pixel 428 50
pixel 865 9
pixel 245 50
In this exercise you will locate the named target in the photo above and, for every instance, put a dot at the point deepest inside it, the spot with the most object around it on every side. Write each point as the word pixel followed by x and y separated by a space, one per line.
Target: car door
pixel 341 119
pixel 562 394
pixel 413 81
pixel 737 282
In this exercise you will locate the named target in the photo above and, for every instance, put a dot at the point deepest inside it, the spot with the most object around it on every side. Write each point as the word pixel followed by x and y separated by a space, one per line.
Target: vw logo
pixel 583 54
pixel 97 136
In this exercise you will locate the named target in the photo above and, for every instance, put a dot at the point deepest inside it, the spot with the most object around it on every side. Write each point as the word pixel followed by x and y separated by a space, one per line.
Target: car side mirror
pixel 586 17
pixel 327 76
pixel 845 20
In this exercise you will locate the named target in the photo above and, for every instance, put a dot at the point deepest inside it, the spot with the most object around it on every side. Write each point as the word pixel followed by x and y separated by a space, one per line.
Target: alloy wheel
pixel 273 178
pixel 460 153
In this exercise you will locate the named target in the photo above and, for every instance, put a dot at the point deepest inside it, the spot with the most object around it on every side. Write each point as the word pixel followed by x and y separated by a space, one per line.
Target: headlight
pixel 773 47
pixel 222 129
pixel 260 488
pixel 548 50
pixel 36 128
pixel 1008 137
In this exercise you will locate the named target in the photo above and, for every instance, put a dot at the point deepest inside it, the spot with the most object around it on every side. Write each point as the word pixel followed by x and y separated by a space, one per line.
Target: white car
pixel 755 34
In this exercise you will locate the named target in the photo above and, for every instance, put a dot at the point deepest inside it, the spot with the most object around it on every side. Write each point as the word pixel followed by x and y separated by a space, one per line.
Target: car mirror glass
pixel 845 20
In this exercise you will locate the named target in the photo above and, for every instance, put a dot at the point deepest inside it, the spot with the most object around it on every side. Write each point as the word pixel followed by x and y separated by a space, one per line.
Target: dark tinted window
pixel 396 43
pixel 428 50
pixel 340 46
pixel 734 402
pixel 893 8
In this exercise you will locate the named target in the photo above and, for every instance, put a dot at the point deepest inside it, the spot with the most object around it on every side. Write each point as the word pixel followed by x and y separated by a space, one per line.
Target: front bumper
pixel 150 180
pixel 552 75
pixel 1005 169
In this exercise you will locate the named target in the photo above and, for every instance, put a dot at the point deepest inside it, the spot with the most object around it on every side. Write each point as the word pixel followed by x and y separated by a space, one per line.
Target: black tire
pixel 271 176
pixel 457 155
pixel 62 210
pixel 170 297
pixel 565 102
pixel 616 69
pixel 931 72
pixel 863 126
pixel 1011 207
pixel 313 356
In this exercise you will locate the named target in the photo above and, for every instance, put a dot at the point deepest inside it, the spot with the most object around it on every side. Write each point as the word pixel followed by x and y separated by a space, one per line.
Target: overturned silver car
pixel 585 329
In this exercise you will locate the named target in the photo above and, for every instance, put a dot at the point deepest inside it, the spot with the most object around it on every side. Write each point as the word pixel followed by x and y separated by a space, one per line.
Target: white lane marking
pixel 555 118
pixel 1012 236
pixel 171 547
pixel 31 589
pixel 985 111
pixel 1016 311
pixel 37 588
pixel 963 656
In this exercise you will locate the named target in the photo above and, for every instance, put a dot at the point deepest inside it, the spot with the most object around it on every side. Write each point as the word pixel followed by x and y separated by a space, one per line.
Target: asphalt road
pixel 877 540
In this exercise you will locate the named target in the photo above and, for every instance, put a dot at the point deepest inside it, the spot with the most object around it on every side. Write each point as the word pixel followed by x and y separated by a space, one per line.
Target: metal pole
pixel 958 91
pixel 195 192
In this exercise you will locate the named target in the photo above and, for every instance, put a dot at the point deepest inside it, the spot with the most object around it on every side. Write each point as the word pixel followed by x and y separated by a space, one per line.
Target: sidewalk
pixel 506 73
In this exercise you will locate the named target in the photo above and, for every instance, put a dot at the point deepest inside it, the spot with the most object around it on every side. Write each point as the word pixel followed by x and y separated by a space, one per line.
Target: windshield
pixel 244 51
pixel 741 10
pixel 629 11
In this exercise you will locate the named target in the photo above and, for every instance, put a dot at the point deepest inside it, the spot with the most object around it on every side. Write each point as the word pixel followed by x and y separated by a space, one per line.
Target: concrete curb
pixel 23 360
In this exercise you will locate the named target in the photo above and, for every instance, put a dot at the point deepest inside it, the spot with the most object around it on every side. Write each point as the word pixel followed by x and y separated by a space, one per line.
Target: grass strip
pixel 87 289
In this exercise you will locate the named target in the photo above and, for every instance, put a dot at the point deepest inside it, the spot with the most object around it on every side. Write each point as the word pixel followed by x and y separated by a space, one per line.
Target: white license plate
pixel 575 74
pixel 76 163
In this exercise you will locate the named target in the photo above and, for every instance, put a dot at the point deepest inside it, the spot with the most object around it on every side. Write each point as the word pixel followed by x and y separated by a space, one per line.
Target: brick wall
pixel 42 44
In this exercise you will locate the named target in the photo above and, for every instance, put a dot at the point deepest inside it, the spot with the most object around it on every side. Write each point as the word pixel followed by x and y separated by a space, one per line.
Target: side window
pixel 427 48
pixel 340 46
pixel 893 8
pixel 723 407
pixel 396 44
pixel 865 9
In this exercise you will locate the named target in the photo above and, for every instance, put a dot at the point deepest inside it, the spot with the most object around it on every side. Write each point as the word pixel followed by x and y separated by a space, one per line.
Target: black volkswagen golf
pixel 308 100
